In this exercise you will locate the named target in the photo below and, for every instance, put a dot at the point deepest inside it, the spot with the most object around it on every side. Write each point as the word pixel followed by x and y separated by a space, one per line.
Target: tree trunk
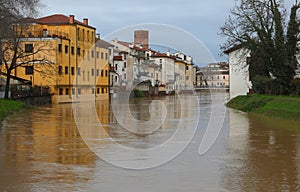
pixel 7 87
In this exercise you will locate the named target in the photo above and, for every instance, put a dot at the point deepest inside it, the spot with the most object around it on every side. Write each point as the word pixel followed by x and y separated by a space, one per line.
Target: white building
pixel 239 71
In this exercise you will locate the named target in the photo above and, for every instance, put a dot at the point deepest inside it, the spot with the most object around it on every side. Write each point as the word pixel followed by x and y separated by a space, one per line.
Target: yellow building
pixel 78 65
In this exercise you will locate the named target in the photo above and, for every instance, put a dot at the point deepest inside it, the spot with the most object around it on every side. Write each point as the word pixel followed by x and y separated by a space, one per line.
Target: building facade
pixel 74 61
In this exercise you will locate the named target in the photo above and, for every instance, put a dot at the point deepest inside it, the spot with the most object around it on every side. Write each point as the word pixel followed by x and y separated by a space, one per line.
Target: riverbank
pixel 9 107
pixel 283 107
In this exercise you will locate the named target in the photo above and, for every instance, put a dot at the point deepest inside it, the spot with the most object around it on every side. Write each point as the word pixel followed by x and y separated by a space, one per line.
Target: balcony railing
pixel 45 34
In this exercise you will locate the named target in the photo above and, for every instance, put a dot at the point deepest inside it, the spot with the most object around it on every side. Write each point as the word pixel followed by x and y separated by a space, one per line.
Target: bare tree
pixel 260 26
pixel 15 51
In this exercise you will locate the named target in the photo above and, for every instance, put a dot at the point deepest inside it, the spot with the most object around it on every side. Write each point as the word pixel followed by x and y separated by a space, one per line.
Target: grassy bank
pixel 274 106
pixel 9 107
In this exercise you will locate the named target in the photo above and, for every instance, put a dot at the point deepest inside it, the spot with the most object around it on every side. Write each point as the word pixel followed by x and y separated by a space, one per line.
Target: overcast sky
pixel 201 18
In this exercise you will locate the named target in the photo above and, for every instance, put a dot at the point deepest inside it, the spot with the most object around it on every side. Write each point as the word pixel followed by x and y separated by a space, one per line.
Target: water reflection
pixel 263 155
pixel 41 150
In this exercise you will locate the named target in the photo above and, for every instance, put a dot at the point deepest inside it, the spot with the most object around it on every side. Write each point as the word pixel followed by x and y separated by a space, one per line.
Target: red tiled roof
pixel 158 54
pixel 126 44
pixel 118 58
pixel 58 19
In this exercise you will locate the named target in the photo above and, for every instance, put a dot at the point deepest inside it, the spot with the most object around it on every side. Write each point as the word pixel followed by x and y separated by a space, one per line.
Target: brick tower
pixel 141 37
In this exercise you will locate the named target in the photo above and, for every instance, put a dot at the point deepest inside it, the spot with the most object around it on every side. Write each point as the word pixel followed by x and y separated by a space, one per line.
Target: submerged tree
pixel 260 26
pixel 17 48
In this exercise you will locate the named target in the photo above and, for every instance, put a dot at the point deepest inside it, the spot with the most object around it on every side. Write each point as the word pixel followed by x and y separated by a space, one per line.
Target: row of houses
pixel 67 57
pixel 137 66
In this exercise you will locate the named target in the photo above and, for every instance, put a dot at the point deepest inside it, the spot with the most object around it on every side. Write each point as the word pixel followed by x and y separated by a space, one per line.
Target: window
pixel 72 50
pixel 125 65
pixel 116 79
pixel 93 72
pixel 60 48
pixel 28 48
pixel 106 56
pixel 187 68
pixel 160 61
pixel 66 70
pixel 97 72
pixel 60 70
pixel 78 34
pixel 98 54
pixel 79 91
pixel 93 54
pixel 66 49
pixel 102 55
pixel 73 91
pixel 124 76
pixel 29 70
pixel 106 73
pixel 116 67
pixel 224 77
pixel 88 35
pixel 78 71
pixel 98 90
pixel 72 70
pixel 78 51
pixel 93 91
pixel 102 73
pixel 61 91
pixel 102 90
pixel 67 91
pixel 83 74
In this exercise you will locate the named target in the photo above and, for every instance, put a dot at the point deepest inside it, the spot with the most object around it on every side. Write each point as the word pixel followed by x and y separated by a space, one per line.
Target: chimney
pixel 97 36
pixel 168 53
pixel 72 19
pixel 86 21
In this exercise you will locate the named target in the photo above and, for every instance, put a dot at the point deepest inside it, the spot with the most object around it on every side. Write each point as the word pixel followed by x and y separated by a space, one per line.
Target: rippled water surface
pixel 42 150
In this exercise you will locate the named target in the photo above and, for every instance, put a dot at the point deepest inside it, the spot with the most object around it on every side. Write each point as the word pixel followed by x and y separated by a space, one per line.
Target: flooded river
pixel 42 149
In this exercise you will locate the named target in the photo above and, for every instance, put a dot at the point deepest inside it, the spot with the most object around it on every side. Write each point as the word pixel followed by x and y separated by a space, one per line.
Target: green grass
pixel 9 107
pixel 284 107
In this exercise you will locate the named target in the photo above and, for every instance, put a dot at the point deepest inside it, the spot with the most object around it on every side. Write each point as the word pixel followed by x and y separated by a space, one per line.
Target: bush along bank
pixel 284 107
pixel 9 107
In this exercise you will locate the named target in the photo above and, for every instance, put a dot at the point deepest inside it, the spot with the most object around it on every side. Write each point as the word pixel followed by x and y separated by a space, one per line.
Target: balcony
pixel 46 34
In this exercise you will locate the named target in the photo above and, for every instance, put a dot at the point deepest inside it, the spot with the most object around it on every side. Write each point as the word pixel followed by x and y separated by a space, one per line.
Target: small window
pixel 116 67
pixel 224 77
pixel 72 70
pixel 93 91
pixel 93 72
pixel 61 91
pixel 125 65
pixel 66 70
pixel 97 72
pixel 106 56
pixel 28 48
pixel 66 49
pixel 72 50
pixel 102 90
pixel 60 70
pixel 73 91
pixel 98 54
pixel 79 91
pixel 67 91
pixel 29 70
pixel 60 48
pixel 93 54
pixel 187 68
pixel 102 55
pixel 98 90
pixel 106 73
pixel 102 73
pixel 78 51
pixel 78 71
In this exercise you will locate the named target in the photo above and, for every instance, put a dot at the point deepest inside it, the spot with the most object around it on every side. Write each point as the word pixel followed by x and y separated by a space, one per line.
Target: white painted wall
pixel 239 73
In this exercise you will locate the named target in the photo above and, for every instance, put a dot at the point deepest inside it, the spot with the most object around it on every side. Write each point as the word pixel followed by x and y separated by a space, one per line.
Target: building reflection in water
pixel 263 154
pixel 42 149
